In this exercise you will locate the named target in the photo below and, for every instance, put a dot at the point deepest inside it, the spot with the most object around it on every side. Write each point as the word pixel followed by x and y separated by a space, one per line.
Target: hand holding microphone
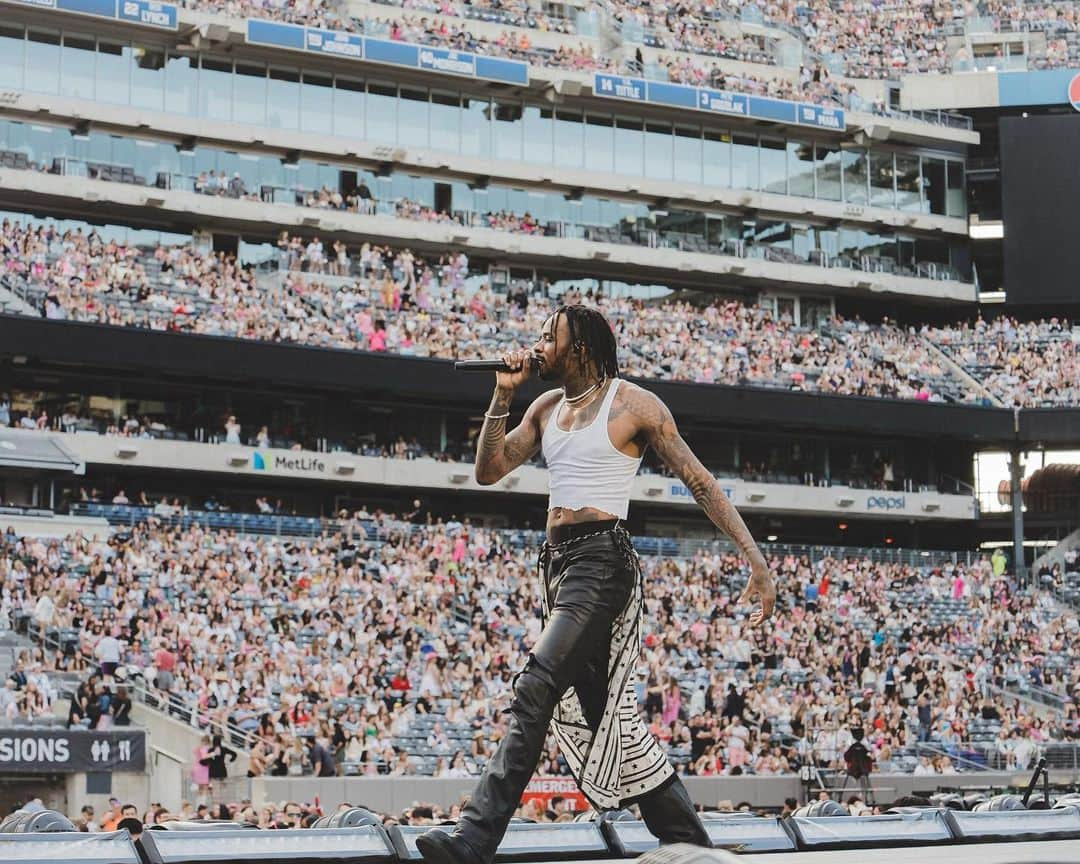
pixel 511 370
pixel 519 365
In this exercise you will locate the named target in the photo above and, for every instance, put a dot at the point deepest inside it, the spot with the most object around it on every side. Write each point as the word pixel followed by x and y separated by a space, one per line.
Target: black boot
pixel 439 847
pixel 670 815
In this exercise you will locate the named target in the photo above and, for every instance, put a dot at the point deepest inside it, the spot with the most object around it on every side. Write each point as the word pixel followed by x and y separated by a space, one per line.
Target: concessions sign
pixel 543 789
pixel 51 751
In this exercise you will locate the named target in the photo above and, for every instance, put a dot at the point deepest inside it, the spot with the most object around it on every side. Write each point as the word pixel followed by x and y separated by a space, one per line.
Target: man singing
pixel 593 429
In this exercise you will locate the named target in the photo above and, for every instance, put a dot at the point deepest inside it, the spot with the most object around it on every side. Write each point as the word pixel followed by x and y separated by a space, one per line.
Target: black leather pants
pixel 589 582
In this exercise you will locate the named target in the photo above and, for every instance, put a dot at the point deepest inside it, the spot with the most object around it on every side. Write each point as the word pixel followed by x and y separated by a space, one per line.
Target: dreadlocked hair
pixel 591 333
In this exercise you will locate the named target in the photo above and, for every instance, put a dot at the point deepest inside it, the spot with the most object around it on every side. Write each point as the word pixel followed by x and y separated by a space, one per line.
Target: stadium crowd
pixel 1027 362
pixel 399 303
pixel 388 646
pixel 858 40
pixel 291 815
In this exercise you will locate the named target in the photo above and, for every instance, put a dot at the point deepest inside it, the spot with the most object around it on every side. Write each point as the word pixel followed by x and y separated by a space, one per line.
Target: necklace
pixel 588 392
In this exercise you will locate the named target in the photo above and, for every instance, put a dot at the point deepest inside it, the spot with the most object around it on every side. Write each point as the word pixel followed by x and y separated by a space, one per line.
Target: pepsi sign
pixel 886 502
pixel 1074 91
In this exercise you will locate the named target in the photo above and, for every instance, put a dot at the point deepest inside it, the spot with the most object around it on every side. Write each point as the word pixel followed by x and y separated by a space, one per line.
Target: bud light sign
pixel 680 490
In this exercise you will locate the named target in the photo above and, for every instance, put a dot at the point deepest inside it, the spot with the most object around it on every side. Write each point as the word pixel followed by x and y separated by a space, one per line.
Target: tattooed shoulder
pixel 646 407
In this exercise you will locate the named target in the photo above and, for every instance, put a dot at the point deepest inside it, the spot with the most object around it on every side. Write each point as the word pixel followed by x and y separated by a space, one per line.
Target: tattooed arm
pixel 499 453
pixel 656 424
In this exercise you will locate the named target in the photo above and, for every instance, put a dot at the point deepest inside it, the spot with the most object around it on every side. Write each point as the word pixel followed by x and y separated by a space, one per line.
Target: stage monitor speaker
pixel 999 803
pixel 366 845
pixel 622 815
pixel 35 822
pixel 741 832
pixel 628 838
pixel 924 827
pixel 72 847
pixel 684 853
pixel 951 800
pixel 822 809
pixel 561 841
pixel 523 841
pixel 350 817
pixel 403 838
pixel 13 821
pixel 200 825
pixel 1005 825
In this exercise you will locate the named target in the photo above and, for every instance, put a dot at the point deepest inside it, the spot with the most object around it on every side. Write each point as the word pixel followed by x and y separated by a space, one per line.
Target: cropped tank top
pixel 584 468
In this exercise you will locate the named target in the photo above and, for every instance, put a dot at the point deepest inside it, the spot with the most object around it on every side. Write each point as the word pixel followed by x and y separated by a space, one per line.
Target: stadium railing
pixel 178 707
pixel 674 547
pixel 1036 697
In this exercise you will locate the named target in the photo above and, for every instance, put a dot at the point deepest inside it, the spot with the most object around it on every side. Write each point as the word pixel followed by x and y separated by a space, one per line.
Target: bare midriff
pixel 558 516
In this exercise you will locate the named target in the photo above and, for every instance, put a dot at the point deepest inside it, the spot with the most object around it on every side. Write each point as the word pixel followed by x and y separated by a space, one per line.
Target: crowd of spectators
pixel 442 28
pixel 387 646
pixel 27 693
pixel 858 39
pixel 498 221
pixel 1027 363
pixel 79 276
pixel 415 211
pixel 814 84
pixel 515 13
pixel 99 702
pixel 395 301
pixel 292 815
pixel 209 183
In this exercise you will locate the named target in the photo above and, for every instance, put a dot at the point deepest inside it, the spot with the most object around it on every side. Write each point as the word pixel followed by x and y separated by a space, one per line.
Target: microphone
pixel 489 365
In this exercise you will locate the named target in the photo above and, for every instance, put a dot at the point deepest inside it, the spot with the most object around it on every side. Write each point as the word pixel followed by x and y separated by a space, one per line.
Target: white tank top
pixel 584 468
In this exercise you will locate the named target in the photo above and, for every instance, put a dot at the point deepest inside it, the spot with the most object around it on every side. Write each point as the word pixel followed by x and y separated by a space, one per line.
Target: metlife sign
pixel 47 751
pixel 288 462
